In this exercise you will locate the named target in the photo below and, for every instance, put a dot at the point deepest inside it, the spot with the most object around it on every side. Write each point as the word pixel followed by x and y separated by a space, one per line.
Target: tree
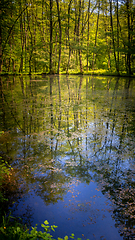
pixel 51 32
pixel 52 36
pixel 112 34
pixel 60 35
pixel 96 34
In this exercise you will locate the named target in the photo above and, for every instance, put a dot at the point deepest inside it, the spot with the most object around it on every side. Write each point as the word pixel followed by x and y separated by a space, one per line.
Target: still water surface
pixel 71 143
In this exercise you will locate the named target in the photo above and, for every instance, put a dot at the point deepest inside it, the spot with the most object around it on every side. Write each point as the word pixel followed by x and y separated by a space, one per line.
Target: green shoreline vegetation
pixel 90 73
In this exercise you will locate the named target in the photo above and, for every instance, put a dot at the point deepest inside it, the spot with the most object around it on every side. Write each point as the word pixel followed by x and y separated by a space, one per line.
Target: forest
pixel 67 36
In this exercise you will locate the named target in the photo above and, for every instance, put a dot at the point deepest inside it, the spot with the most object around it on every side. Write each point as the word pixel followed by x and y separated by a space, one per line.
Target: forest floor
pixel 98 72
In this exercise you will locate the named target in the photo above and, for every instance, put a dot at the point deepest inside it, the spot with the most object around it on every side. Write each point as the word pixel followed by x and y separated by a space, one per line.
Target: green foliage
pixel 4 171
pixel 25 34
pixel 11 229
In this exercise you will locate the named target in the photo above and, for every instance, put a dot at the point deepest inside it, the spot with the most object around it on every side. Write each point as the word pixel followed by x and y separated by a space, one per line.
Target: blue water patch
pixel 84 211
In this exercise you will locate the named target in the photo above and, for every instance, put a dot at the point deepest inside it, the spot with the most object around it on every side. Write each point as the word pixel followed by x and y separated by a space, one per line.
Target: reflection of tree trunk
pixel 79 91
pixel 68 88
pixel 31 113
pixel 68 131
pixel 51 115
pixel 68 123
pixel 114 114
pixel 75 120
pixel 115 89
pixel 95 126
pixel 0 47
pixel 94 114
pixel 24 110
pixel 59 118
pixel 2 106
pixel 11 109
pixel 4 126
pixel 86 116
pixel 125 119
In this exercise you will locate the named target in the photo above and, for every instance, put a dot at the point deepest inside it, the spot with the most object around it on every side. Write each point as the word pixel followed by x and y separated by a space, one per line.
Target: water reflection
pixel 60 130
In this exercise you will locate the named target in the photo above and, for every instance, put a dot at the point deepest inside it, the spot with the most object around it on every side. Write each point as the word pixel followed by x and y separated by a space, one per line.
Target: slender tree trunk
pixel 56 37
pixel 22 39
pixel 30 43
pixel 0 46
pixel 132 28
pixel 129 37
pixel 51 32
pixel 69 55
pixel 43 17
pixel 118 35
pixel 105 18
pixel 78 38
pixel 35 38
pixel 88 34
pixel 22 46
pixel 75 27
pixel 60 35
pixel 111 23
pixel 96 35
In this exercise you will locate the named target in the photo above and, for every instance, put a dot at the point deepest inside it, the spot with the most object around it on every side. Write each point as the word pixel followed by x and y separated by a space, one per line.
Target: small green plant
pixel 11 229
pixel 4 168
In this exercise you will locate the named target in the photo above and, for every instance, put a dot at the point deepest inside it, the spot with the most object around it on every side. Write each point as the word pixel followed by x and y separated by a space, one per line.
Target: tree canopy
pixel 67 36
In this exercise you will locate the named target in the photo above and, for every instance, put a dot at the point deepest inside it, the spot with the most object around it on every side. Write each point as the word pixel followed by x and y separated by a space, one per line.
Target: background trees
pixel 70 35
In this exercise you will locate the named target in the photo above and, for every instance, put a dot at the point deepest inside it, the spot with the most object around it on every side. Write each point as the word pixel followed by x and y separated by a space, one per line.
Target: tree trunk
pixel 129 37
pixel 22 45
pixel 88 33
pixel 96 35
pixel 60 33
pixel 51 32
pixel 69 6
pixel 105 18
pixel 78 38
pixel 111 23
pixel 0 47
pixel 118 35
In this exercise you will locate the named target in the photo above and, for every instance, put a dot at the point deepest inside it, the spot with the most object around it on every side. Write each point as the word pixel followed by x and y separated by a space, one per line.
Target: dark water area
pixel 71 143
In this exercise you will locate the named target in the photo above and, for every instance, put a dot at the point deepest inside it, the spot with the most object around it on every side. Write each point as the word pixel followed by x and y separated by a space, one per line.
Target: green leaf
pixel 46 222
pixel 72 235
pixel 66 238
pixel 42 225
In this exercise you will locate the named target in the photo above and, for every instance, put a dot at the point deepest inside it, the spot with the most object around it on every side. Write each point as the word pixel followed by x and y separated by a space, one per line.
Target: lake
pixel 71 143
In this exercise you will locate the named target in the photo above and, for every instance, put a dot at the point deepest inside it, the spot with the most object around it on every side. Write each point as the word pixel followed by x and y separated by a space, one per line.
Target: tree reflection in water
pixel 58 129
